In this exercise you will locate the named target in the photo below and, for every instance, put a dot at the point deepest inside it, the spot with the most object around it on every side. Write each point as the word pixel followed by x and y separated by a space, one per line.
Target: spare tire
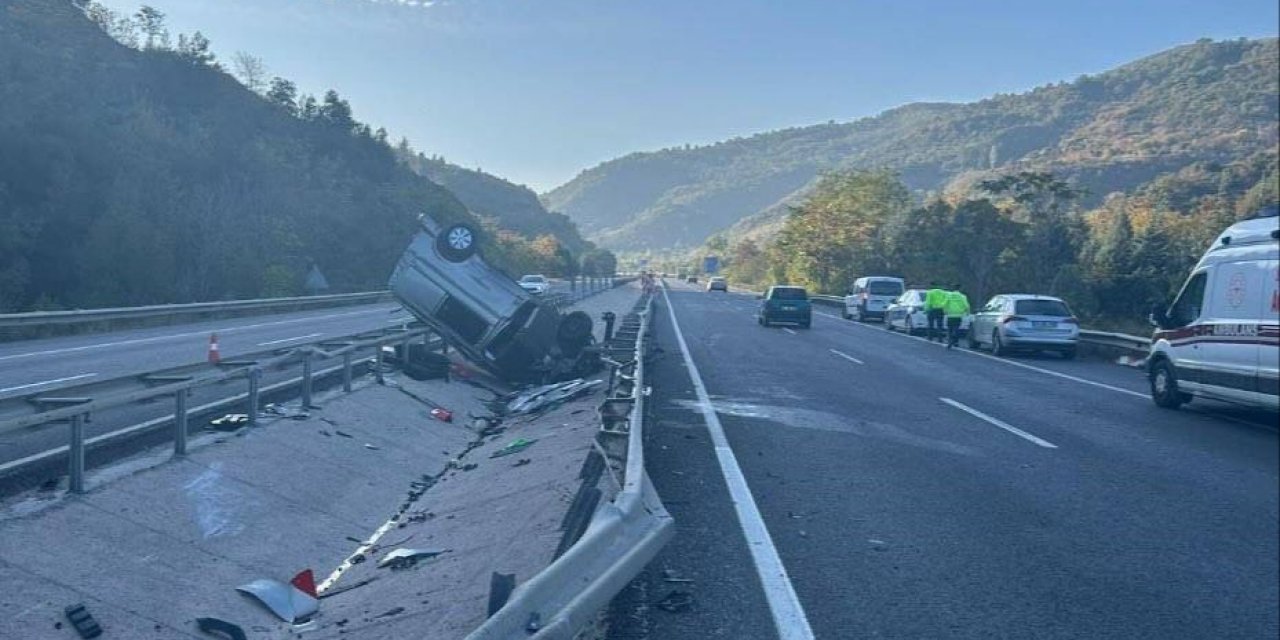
pixel 457 242
pixel 574 332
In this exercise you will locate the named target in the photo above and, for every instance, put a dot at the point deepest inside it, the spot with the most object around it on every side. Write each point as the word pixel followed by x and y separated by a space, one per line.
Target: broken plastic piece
pixel 549 395
pixel 285 600
pixel 306 582
pixel 83 621
pixel 404 558
pixel 214 625
pixel 443 415
pixel 515 446
pixel 229 422
pixel 676 601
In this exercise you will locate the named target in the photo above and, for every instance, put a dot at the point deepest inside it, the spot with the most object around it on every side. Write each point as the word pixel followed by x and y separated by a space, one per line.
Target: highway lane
pixel 31 366
pixel 915 492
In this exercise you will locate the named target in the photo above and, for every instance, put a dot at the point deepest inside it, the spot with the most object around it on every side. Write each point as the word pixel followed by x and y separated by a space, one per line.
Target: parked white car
pixel 870 296
pixel 535 284
pixel 906 314
pixel 1220 338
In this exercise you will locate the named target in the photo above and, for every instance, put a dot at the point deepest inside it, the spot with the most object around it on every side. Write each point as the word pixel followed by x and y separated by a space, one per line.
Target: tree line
pixel 1021 232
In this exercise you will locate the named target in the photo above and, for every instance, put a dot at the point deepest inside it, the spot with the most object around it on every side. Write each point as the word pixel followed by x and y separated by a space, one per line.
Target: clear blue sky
pixel 537 90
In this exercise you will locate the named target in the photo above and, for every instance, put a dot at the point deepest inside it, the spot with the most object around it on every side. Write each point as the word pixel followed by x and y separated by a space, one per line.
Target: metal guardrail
pixel 624 535
pixel 178 383
pixel 86 316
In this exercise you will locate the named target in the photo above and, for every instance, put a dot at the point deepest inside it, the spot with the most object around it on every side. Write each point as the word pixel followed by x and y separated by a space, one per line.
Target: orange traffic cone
pixel 214 357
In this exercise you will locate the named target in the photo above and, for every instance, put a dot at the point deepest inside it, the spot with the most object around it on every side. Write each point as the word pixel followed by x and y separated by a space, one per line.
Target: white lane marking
pixel 37 384
pixel 999 423
pixel 1012 363
pixel 790 331
pixel 206 332
pixel 846 356
pixel 271 342
pixel 788 615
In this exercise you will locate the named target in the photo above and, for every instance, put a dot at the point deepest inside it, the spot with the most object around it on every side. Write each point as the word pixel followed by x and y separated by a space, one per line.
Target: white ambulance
pixel 1220 338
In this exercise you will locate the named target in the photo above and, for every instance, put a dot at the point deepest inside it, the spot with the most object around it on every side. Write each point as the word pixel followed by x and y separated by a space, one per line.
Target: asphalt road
pixel 908 491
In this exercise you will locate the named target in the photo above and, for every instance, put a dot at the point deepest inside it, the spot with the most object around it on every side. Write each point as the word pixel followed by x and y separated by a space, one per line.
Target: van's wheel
pixel 997 347
pixel 1164 386
pixel 457 242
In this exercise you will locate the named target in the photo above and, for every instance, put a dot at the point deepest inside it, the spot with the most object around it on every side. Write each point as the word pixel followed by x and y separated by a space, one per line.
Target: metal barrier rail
pixel 179 382
pixel 624 535
pixel 81 316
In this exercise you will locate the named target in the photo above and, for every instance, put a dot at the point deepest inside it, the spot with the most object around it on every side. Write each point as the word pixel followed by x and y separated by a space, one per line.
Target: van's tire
pixel 457 242
pixel 574 332
pixel 1164 386
pixel 997 347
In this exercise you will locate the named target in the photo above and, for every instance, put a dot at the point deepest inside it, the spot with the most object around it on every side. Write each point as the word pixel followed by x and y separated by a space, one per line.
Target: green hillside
pixel 1207 102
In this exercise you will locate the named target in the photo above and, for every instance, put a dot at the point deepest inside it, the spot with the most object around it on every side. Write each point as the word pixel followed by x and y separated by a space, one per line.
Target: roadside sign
pixel 711 264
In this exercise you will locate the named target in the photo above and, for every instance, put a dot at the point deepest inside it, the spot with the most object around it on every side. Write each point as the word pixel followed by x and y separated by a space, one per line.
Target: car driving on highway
pixel 870 296
pixel 718 283
pixel 1024 322
pixel 535 284
pixel 906 314
pixel 785 304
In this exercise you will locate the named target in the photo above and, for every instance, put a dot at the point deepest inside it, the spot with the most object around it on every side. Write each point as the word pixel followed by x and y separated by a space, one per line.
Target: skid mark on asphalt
pixel 801 418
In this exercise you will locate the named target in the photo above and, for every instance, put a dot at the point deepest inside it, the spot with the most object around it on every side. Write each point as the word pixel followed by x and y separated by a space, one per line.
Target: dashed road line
pixel 846 356
pixel 1000 423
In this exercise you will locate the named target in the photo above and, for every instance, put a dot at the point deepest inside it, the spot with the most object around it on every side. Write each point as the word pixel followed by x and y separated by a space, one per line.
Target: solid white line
pixel 271 342
pixel 790 331
pixel 37 384
pixel 788 615
pixel 1012 363
pixel 183 335
pixel 846 356
pixel 1003 425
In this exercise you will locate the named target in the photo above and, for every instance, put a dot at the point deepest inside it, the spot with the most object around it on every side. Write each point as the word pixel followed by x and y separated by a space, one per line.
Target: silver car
pixel 1025 322
pixel 442 279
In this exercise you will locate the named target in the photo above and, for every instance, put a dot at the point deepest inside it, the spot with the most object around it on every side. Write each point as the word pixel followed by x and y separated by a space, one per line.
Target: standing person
pixel 956 308
pixel 935 299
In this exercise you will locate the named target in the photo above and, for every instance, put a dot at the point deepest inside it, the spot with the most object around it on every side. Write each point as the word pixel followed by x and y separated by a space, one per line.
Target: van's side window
pixel 1186 309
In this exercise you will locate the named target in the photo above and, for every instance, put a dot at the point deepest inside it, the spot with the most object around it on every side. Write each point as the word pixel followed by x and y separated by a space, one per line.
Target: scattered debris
pixel 420 516
pixel 83 621
pixel 285 412
pixel 469 466
pixel 676 601
pixel 391 612
pixel 358 558
pixel 343 434
pixel 229 422
pixel 373 447
pixel 670 576
pixel 285 600
pixel 515 446
pixel 405 558
pixel 305 581
pixel 549 395
pixel 355 585
pixel 329 421
pixel 214 625
pixel 326 433
pixel 443 415
pixel 522 462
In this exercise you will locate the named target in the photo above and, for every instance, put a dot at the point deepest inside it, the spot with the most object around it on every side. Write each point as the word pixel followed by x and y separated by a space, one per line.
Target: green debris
pixel 515 446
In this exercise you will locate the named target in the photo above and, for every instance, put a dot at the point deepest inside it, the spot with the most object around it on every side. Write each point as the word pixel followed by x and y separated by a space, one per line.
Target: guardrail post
pixel 404 361
pixel 346 372
pixel 180 423
pixel 377 363
pixel 306 379
pixel 76 470
pixel 255 381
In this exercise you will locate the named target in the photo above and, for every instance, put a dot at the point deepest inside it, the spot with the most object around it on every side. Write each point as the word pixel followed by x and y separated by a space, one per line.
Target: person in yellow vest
pixel 935 300
pixel 956 307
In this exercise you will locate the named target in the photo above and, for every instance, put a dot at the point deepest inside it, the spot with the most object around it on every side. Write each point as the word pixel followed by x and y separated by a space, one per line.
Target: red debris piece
pixel 305 581
pixel 443 415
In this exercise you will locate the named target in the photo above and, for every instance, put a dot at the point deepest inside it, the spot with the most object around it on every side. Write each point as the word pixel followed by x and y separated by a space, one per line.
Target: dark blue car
pixel 783 304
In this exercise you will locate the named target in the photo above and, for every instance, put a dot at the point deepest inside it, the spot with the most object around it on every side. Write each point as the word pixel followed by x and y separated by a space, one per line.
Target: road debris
pixel 285 600
pixel 83 621
pixel 669 575
pixel 441 414
pixel 343 434
pixel 405 558
pixel 515 446
pixel 676 601
pixel 522 462
pixel 549 395
pixel 355 585
pixel 226 629
pixel 372 447
pixel 391 612
pixel 306 582
pixel 229 422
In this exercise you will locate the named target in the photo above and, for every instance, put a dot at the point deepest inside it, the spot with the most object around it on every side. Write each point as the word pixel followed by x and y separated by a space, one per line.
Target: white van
pixel 1220 338
pixel 870 296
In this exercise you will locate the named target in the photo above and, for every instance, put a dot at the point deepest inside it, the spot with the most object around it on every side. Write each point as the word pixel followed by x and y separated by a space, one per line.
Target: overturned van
pixel 442 279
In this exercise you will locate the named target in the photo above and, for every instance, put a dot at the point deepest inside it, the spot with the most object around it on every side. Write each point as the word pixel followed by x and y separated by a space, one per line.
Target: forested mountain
pixel 1207 104
pixel 135 169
